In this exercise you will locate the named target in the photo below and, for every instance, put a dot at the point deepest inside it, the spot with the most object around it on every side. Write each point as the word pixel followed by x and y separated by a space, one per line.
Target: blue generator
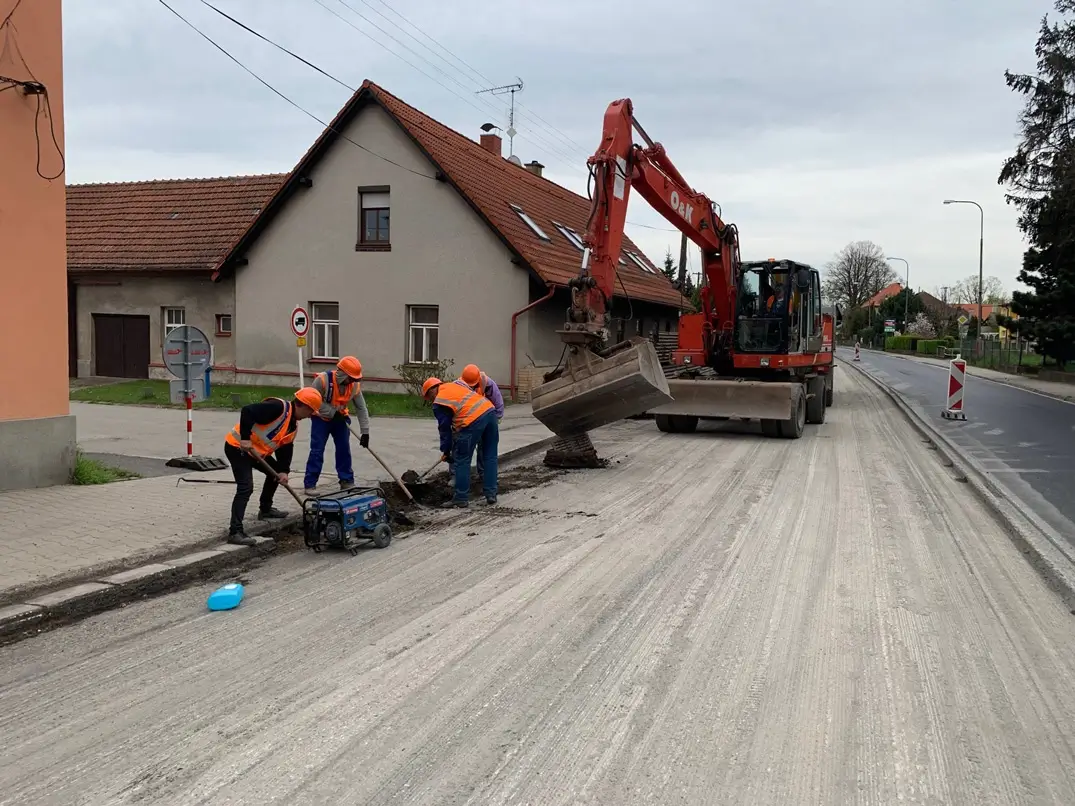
pixel 345 519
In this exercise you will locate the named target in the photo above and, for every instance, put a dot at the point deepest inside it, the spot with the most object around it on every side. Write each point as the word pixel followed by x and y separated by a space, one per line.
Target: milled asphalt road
pixel 1025 440
pixel 719 618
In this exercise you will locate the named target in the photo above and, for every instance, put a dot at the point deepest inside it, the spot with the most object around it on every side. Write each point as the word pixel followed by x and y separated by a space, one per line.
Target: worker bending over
pixel 475 379
pixel 266 430
pixel 465 419
pixel 337 389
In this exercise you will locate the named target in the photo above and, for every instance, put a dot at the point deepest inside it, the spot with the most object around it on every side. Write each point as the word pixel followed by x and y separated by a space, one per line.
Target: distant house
pixel 406 241
pixel 991 327
pixel 890 290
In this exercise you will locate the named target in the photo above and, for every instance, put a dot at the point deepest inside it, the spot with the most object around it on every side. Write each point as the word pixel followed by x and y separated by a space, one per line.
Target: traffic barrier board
pixel 957 378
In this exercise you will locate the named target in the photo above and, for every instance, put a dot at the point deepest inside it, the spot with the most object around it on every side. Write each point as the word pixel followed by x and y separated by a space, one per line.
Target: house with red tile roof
pixel 890 290
pixel 405 240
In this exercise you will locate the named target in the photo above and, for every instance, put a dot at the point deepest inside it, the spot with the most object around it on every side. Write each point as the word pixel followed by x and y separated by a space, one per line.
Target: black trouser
pixel 242 467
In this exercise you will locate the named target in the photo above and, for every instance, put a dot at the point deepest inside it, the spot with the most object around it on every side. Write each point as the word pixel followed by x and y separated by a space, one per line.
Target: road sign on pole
pixel 300 326
pixel 957 377
pixel 187 353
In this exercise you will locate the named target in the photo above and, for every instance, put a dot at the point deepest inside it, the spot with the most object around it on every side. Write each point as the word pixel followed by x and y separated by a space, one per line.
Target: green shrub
pixel 414 375
pixel 901 343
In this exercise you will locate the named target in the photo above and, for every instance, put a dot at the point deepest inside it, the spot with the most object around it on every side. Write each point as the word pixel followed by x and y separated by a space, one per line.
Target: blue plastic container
pixel 226 597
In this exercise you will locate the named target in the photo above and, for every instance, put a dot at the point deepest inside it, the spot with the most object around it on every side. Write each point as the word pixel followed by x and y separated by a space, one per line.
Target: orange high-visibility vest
pixel 466 404
pixel 332 393
pixel 266 439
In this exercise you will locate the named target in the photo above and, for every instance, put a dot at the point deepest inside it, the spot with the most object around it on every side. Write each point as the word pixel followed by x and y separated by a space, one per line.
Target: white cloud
pixel 811 122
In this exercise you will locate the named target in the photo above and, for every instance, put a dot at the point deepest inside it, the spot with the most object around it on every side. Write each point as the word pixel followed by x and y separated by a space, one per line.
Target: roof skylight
pixel 638 262
pixel 571 235
pixel 538 231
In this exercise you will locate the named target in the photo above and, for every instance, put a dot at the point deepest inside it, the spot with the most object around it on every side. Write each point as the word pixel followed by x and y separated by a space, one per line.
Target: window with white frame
pixel 325 324
pixel 538 231
pixel 423 334
pixel 223 324
pixel 640 263
pixel 173 318
pixel 572 237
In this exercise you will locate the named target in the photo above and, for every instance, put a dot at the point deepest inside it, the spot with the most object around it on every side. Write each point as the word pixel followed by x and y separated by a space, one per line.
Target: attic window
pixel 572 236
pixel 538 231
pixel 638 262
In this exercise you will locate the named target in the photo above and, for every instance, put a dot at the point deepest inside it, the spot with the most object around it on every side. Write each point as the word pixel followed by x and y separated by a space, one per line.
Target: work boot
pixel 490 500
pixel 346 485
pixel 455 505
pixel 272 513
pixel 240 538
pixel 310 492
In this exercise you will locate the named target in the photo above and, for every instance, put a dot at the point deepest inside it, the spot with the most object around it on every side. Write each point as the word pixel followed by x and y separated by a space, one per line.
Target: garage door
pixel 121 345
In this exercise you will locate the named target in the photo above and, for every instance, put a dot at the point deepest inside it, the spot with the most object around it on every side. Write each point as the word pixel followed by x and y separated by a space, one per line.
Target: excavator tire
pixel 828 389
pixel 676 423
pixel 770 428
pixel 815 406
pixel 793 428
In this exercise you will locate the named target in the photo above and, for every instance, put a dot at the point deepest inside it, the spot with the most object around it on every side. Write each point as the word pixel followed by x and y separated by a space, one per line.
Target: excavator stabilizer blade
pixel 740 399
pixel 595 391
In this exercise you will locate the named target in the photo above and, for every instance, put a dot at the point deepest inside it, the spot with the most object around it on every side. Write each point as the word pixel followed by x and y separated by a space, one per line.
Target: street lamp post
pixel 981 248
pixel 906 289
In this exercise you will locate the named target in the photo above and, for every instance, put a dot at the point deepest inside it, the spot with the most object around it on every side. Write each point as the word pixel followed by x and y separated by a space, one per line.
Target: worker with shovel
pixel 473 378
pixel 338 389
pixel 465 419
pixel 264 439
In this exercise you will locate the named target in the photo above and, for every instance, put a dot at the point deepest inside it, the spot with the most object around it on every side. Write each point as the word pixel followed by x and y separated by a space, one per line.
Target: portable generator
pixel 346 518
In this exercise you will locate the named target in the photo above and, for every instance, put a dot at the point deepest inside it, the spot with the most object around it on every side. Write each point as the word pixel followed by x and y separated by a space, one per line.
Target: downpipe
pixel 514 323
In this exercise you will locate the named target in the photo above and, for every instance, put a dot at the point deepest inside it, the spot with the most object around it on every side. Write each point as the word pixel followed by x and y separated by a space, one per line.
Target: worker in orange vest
pixel 266 430
pixel 473 378
pixel 338 389
pixel 465 419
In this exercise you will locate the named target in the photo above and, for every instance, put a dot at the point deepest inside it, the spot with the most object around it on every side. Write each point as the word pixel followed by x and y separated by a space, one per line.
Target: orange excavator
pixel 761 347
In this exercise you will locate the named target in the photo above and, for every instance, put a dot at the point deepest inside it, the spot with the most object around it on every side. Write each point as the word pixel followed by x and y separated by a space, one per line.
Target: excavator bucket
pixel 740 399
pixel 593 391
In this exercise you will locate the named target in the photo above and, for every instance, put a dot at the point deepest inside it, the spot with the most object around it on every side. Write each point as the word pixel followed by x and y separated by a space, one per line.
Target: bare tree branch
pixel 856 273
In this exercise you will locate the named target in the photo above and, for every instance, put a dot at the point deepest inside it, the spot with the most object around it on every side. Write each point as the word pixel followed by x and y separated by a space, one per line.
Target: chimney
pixel 534 167
pixel 492 143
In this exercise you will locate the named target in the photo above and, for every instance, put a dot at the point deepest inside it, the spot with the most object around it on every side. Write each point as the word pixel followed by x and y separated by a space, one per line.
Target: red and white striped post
pixel 190 423
pixel 957 378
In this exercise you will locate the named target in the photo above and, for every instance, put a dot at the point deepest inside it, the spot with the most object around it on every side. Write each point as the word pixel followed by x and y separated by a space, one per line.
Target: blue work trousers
pixel 478 453
pixel 320 430
pixel 485 431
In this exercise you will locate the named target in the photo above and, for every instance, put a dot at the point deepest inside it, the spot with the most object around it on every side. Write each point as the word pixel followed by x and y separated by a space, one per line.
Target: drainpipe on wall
pixel 514 321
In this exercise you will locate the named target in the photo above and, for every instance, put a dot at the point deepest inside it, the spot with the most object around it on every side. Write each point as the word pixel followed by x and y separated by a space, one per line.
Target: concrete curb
pixel 1041 545
pixel 942 364
pixel 43 608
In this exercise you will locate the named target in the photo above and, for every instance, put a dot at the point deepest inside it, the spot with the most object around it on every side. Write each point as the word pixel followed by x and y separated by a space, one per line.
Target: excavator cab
pixel 778 308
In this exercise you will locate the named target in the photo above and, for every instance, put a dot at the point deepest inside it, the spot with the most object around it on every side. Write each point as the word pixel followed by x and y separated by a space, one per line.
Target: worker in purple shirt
pixel 475 379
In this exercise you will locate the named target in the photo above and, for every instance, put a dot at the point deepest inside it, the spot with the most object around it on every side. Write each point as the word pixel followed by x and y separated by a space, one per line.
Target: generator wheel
pixel 382 535
pixel 770 428
pixel 815 406
pixel 666 423
pixel 793 428
pixel 828 390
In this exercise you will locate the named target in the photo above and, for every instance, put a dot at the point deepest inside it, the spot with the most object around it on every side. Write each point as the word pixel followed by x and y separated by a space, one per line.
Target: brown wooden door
pixel 121 345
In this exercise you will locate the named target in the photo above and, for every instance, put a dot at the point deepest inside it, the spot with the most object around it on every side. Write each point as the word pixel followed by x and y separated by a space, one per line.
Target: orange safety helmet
pixel 471 375
pixel 350 366
pixel 309 397
pixel 429 385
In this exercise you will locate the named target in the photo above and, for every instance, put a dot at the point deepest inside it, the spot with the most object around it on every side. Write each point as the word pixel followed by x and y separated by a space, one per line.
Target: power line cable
pixel 277 92
pixel 484 111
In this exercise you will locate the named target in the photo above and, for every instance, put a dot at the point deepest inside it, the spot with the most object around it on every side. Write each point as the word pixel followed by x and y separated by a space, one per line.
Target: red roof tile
pixel 890 290
pixel 491 184
pixel 170 224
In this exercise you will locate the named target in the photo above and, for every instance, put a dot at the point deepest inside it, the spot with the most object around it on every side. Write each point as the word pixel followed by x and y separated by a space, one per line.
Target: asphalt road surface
pixel 1025 440
pixel 719 618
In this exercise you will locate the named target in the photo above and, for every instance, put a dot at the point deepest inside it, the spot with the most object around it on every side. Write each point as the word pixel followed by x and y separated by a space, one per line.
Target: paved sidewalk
pixel 58 534
pixel 1062 391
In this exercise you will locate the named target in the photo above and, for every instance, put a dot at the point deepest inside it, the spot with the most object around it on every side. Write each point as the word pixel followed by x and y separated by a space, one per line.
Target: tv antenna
pixel 512 88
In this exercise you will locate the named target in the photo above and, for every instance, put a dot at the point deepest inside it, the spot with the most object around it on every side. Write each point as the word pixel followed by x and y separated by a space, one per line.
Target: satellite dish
pixel 515 161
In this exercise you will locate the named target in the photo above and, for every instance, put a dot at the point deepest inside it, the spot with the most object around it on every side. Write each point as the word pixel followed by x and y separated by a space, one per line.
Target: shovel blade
pixel 595 391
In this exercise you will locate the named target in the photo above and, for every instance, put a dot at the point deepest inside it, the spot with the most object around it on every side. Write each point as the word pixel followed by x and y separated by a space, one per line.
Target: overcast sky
pixel 811 122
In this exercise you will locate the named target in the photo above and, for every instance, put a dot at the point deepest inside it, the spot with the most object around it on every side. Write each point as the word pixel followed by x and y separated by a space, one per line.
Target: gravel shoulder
pixel 833 620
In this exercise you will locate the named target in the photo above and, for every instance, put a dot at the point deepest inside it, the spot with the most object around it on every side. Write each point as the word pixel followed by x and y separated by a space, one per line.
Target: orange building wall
pixel 33 248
